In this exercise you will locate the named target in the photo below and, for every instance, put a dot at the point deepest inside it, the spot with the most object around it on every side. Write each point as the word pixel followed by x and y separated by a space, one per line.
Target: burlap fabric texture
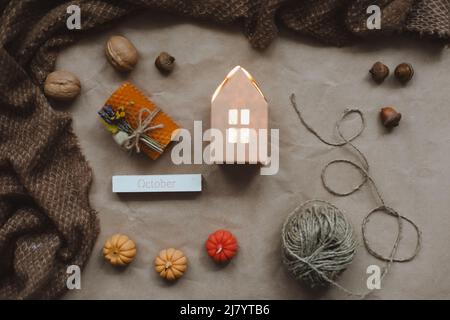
pixel 46 222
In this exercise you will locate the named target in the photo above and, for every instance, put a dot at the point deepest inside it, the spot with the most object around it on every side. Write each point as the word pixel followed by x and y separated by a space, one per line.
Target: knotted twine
pixel 363 168
pixel 133 140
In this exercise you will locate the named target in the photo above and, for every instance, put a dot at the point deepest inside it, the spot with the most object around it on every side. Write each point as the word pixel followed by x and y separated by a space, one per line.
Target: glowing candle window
pixel 245 117
pixel 233 116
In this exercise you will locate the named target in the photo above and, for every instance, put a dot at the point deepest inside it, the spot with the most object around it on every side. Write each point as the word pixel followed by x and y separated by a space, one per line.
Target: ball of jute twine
pixel 299 243
pixel 318 242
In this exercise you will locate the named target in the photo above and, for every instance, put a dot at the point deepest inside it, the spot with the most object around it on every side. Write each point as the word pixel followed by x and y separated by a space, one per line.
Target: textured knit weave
pixel 46 223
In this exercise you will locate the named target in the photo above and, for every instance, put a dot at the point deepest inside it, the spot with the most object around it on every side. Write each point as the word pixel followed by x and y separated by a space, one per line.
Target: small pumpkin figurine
pixel 171 264
pixel 119 250
pixel 221 246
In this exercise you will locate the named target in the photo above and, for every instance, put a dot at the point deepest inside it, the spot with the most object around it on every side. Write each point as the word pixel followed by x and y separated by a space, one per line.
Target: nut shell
pixel 379 72
pixel 404 72
pixel 121 53
pixel 62 85
pixel 165 62
pixel 390 118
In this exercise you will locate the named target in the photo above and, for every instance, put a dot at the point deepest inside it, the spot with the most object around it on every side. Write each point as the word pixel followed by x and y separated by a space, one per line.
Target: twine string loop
pixel 142 128
pixel 364 169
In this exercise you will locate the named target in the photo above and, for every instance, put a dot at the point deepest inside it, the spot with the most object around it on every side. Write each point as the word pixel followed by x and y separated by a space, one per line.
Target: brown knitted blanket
pixel 46 222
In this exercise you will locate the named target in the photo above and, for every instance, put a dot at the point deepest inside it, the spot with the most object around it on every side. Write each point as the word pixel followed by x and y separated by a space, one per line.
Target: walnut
pixel 121 53
pixel 62 85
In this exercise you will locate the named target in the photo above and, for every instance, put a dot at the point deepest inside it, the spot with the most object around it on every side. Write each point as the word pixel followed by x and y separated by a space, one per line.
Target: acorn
pixel 390 117
pixel 379 72
pixel 404 72
pixel 165 62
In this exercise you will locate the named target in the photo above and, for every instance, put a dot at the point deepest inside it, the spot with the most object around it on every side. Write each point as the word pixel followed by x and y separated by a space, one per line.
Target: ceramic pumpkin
pixel 221 245
pixel 171 264
pixel 119 250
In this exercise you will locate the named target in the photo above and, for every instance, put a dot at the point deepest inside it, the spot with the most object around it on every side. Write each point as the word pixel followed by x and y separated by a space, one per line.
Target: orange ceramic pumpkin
pixel 119 250
pixel 171 264
pixel 221 245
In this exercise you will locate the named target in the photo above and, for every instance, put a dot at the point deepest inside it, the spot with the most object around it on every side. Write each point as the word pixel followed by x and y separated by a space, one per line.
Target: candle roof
pixel 230 75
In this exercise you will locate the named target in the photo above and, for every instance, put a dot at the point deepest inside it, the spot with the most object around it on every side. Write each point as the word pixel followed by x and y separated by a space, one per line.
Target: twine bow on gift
pixel 133 139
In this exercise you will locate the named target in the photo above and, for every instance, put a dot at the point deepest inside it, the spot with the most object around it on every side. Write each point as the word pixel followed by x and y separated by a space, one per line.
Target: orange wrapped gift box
pixel 136 122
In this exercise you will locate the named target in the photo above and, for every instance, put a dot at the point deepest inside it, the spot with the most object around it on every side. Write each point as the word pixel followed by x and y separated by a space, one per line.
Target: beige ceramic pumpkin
pixel 171 264
pixel 119 250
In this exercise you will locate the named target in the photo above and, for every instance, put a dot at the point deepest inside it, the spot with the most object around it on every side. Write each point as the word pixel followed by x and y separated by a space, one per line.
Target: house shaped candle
pixel 239 112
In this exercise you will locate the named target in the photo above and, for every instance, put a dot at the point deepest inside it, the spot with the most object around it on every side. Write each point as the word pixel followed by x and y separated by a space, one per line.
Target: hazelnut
pixel 379 72
pixel 390 117
pixel 165 62
pixel 121 53
pixel 62 85
pixel 404 72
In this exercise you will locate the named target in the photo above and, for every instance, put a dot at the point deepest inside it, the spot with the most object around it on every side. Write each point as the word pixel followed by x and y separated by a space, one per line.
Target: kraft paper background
pixel 410 164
